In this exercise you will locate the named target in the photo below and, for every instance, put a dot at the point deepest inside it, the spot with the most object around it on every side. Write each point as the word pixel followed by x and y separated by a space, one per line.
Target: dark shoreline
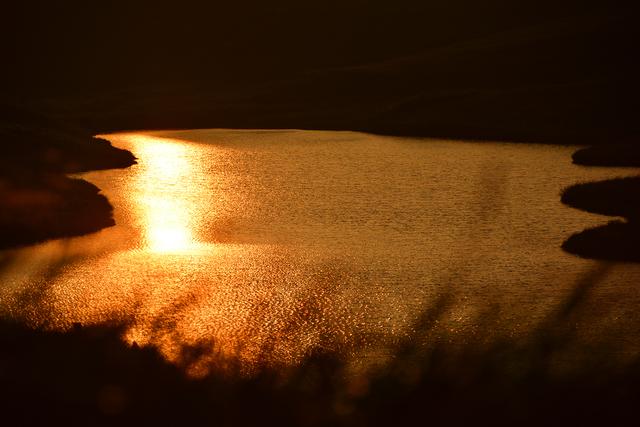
pixel 52 207
pixel 88 375
pixel 617 240
pixel 611 156
pixel 38 201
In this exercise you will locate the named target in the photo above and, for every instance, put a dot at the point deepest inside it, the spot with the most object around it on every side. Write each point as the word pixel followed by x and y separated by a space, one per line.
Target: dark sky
pixel 66 44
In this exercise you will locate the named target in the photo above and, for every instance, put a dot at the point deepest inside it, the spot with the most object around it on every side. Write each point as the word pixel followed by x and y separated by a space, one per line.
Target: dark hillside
pixel 558 72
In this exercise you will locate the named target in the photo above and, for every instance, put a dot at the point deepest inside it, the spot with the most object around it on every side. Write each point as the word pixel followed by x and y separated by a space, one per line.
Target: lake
pixel 263 247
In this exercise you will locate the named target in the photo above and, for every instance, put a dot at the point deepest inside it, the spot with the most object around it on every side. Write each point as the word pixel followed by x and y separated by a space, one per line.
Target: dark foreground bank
pixel 89 376
pixel 37 200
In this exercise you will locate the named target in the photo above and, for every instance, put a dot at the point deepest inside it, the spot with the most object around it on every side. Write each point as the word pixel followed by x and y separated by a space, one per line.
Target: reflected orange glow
pixel 239 252
pixel 167 214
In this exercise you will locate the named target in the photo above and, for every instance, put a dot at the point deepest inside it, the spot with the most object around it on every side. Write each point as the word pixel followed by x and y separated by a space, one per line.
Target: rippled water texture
pixel 261 247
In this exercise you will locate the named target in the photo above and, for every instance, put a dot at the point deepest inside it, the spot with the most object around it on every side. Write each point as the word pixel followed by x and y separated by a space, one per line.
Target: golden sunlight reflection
pixel 237 250
pixel 160 194
pixel 167 227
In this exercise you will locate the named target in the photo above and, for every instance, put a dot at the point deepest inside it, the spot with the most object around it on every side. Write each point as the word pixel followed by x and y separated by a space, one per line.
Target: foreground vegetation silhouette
pixel 550 376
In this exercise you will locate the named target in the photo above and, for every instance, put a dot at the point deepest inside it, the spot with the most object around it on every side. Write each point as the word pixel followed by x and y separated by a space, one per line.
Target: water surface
pixel 267 246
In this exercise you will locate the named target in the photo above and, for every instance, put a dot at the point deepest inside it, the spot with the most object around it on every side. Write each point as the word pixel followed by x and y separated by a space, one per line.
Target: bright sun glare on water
pixel 165 210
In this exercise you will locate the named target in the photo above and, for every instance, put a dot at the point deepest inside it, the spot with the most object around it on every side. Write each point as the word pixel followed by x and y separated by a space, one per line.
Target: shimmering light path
pixel 261 247
pixel 163 197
